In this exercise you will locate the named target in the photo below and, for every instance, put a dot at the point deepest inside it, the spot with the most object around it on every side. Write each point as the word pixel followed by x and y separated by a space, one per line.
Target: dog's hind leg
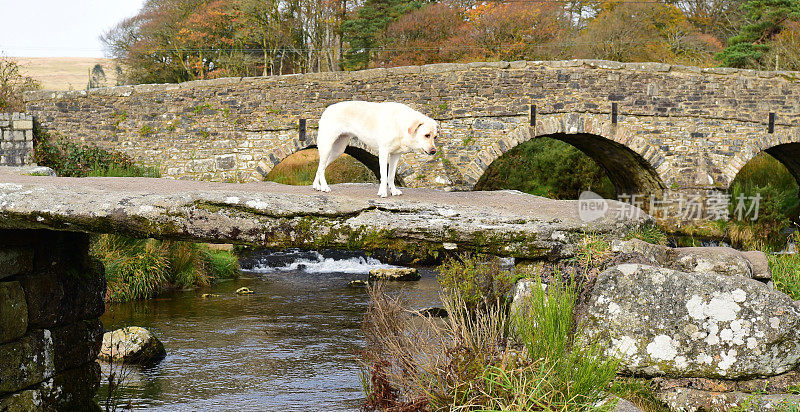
pixel 383 159
pixel 338 148
pixel 324 143
pixel 327 154
pixel 394 159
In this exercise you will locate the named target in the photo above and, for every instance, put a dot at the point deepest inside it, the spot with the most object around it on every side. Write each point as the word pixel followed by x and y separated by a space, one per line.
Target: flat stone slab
pixel 421 222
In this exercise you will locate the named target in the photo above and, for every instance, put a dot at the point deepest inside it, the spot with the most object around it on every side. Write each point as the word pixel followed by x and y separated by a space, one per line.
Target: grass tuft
pixel 142 268
pixel 470 361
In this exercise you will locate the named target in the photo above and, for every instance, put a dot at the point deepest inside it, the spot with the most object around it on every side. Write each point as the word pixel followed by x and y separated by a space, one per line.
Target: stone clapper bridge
pixel 52 292
pixel 651 126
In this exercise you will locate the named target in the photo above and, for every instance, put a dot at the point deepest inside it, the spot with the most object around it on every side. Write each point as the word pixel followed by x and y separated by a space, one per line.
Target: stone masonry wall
pixel 51 295
pixel 678 127
pixel 16 139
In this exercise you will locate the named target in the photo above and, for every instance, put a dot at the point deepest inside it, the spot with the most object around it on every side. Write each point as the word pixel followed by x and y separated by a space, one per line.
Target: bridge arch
pixel 784 146
pixel 355 148
pixel 631 163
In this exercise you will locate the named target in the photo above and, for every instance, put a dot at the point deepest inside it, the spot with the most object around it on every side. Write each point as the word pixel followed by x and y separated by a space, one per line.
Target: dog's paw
pixel 325 188
pixel 396 192
pixel 382 193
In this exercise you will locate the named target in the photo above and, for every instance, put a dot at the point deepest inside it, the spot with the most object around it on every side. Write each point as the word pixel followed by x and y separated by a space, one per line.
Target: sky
pixel 59 28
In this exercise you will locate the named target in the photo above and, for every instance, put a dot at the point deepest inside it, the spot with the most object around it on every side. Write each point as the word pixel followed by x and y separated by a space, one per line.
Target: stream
pixel 290 346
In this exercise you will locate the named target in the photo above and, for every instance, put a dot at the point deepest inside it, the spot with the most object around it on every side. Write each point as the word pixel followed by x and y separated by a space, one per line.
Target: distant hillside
pixel 65 73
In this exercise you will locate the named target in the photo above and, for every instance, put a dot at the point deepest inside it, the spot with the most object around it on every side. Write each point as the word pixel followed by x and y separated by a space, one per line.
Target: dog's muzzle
pixel 432 152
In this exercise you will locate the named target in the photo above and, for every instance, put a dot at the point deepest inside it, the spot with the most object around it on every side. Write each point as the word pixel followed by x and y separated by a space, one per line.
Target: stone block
pixel 225 162
pixel 76 344
pixel 22 124
pixel 13 312
pixel 26 361
pixel 72 294
pixel 71 390
pixel 15 260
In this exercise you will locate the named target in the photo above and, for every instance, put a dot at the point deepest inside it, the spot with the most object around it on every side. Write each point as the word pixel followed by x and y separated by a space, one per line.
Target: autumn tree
pixel 639 32
pixel 767 19
pixel 433 34
pixel 365 32
pixel 520 30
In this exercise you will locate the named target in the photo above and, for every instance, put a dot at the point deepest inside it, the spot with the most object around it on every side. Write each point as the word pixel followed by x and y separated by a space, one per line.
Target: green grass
pixel 649 233
pixel 785 270
pixel 578 374
pixel 142 268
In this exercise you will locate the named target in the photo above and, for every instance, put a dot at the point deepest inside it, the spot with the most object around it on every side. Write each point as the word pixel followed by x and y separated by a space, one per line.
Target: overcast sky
pixel 59 28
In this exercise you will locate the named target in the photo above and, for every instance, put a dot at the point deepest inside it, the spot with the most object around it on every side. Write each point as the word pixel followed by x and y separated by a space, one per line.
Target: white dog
pixel 390 128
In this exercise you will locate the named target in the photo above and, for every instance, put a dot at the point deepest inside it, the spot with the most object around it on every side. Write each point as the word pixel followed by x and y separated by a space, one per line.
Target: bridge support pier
pixel 51 296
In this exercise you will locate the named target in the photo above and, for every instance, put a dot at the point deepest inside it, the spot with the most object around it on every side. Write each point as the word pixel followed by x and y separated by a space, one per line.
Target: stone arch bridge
pixel 651 126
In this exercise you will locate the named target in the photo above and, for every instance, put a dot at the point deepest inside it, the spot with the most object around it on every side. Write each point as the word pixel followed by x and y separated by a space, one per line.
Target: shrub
pixel 72 159
pixel 478 281
pixel 12 84
pixel 141 268
pixel 778 190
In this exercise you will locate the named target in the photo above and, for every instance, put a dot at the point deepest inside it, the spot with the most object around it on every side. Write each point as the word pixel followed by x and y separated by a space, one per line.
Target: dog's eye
pixel 428 135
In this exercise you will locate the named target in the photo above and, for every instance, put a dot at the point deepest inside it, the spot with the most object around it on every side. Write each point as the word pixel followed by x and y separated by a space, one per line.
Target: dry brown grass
pixel 65 73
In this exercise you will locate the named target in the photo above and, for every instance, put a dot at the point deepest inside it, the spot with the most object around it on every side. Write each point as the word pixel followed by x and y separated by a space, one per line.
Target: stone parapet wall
pixel 16 139
pixel 51 296
pixel 688 127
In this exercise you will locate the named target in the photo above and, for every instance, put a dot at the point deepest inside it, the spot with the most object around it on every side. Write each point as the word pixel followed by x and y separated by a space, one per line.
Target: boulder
pixel 720 260
pixel 664 322
pixel 131 345
pixel 358 283
pixel 394 274
pixel 244 291
pixel 759 263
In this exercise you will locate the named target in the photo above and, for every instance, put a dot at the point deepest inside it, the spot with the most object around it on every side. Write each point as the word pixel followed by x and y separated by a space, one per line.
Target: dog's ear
pixel 414 126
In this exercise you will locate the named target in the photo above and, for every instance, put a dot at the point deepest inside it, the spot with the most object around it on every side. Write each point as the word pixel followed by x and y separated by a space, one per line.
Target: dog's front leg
pixel 394 159
pixel 383 159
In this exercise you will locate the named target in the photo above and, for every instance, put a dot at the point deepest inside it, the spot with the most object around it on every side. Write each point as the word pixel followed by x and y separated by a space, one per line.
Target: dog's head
pixel 423 131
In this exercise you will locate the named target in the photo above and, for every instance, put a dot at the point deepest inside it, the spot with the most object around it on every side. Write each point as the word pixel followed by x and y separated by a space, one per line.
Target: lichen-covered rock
pixel 691 400
pixel 721 260
pixel 394 274
pixel 523 290
pixel 661 321
pixel 132 345
pixel 244 290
